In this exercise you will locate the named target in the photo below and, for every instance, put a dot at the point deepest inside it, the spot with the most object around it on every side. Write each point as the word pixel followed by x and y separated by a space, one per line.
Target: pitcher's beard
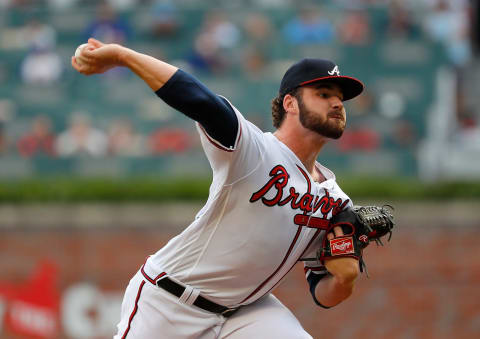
pixel 330 128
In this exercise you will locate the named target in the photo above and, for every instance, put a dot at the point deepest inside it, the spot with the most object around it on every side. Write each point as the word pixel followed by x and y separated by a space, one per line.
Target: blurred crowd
pixel 81 138
pixel 367 132
pixel 224 43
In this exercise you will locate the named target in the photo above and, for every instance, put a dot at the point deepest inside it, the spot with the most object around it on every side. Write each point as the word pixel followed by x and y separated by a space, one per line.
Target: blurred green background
pixel 97 172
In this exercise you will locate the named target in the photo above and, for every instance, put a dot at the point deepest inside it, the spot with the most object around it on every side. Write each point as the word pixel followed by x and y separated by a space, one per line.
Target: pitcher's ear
pixel 290 104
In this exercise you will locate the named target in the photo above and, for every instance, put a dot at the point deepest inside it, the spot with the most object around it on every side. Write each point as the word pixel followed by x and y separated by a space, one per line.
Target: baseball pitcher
pixel 271 205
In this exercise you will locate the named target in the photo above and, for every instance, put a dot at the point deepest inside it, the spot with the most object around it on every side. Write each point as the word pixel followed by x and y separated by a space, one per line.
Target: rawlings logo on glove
pixel 341 246
pixel 360 226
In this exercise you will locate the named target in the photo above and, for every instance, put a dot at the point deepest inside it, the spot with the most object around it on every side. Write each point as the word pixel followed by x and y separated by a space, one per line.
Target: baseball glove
pixel 360 225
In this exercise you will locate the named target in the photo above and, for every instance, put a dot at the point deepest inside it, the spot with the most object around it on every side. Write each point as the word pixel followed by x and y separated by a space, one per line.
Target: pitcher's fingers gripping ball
pixel 78 55
pixel 360 225
pixel 96 57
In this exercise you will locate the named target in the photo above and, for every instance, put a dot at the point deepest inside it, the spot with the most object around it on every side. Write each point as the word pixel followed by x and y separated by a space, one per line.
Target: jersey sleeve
pixel 189 96
pixel 242 158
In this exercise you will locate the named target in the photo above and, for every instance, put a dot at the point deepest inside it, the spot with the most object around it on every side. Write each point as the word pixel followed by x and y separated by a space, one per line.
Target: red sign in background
pixel 61 283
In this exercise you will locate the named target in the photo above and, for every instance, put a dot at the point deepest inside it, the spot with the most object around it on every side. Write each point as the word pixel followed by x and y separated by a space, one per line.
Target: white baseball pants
pixel 151 312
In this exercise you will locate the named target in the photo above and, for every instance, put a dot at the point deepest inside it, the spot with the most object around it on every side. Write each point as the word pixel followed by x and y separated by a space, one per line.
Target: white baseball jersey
pixel 263 214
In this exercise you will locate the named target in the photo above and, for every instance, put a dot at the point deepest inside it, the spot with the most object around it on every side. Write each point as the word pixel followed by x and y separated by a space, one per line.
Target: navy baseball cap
pixel 308 71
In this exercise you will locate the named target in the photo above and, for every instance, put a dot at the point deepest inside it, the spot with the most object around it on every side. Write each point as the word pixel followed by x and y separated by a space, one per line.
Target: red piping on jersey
pixel 135 309
pixel 306 178
pixel 313 238
pixel 153 281
pixel 239 133
pixel 279 267
pixel 214 143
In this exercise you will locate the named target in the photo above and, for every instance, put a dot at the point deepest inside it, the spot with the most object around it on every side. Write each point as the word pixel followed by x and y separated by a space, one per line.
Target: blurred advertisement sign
pixel 35 308
pixel 31 308
pixel 88 312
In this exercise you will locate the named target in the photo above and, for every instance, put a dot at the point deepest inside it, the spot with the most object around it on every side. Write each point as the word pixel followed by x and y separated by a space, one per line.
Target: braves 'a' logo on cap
pixel 335 71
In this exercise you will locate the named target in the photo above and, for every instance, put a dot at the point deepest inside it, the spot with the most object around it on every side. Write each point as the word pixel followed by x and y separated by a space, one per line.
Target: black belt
pixel 177 290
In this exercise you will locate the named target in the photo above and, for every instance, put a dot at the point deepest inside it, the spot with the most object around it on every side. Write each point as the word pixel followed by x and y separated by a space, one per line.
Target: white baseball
pixel 78 54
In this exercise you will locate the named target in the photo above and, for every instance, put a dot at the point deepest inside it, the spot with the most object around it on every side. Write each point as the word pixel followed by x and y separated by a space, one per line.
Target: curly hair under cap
pixel 278 112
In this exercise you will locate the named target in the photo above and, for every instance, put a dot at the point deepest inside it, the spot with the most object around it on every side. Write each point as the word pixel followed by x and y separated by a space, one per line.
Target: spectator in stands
pixel 38 34
pixel 169 140
pixel 108 26
pixel 309 26
pixel 400 21
pixel 213 46
pixel 258 43
pixel 166 20
pixel 39 140
pixel 450 26
pixel 123 141
pixel 354 28
pixel 258 28
pixel 42 64
pixel 28 36
pixel 81 138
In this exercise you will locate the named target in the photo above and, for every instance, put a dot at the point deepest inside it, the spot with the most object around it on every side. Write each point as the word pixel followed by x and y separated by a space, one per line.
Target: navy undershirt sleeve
pixel 188 95
pixel 313 280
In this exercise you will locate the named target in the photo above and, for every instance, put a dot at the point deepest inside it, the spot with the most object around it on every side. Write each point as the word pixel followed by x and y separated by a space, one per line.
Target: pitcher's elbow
pixel 348 274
